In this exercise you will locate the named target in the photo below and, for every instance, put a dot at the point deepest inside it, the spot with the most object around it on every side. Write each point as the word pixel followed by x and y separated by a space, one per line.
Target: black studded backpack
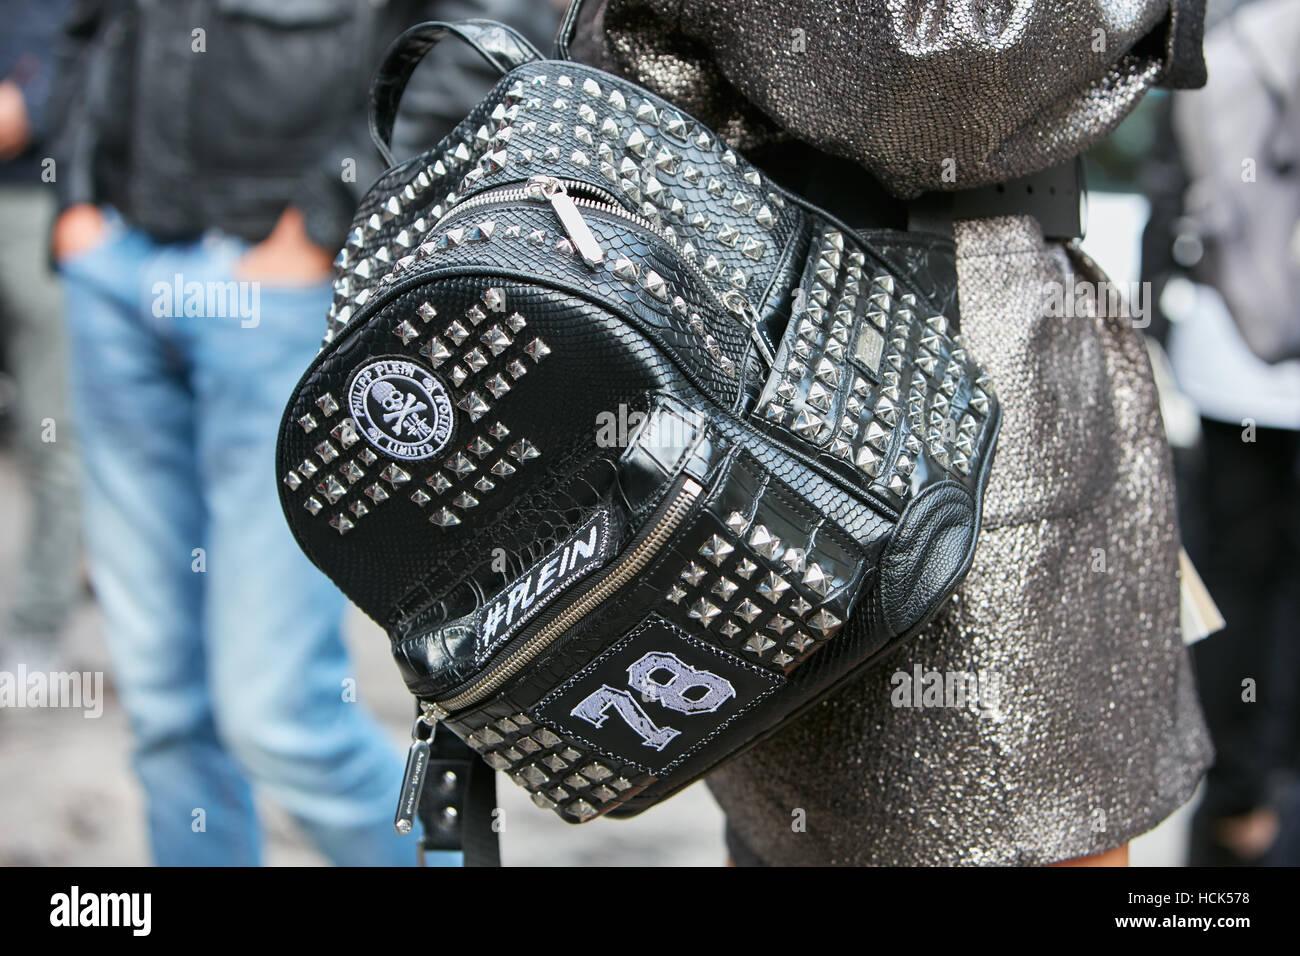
pixel 633 453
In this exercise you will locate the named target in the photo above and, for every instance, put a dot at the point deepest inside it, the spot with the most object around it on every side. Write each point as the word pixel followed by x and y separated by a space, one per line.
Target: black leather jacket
pixel 194 114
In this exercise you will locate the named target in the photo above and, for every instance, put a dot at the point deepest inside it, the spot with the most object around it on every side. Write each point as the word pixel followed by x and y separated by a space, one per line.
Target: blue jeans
pixel 225 640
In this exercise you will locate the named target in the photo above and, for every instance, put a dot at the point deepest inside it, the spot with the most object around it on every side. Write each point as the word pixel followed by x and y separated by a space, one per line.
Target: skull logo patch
pixel 401 408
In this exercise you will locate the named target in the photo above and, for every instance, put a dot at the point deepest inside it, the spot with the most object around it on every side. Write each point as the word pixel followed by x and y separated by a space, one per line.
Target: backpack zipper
pixel 630 565
pixel 568 208
pixel 425 727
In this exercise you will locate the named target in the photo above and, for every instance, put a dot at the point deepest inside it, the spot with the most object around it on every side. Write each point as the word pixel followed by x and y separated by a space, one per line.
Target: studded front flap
pixel 633 453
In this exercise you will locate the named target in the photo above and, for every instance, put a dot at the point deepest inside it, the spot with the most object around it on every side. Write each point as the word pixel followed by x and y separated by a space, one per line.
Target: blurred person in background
pixel 210 156
pixel 1224 246
pixel 45 587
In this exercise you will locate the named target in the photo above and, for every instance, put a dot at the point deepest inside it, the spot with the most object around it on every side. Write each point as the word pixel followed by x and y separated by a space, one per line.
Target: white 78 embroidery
pixel 662 677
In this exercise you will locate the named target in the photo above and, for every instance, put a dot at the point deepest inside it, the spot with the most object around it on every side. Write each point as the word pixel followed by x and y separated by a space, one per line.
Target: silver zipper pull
pixel 575 227
pixel 417 768
pixel 747 316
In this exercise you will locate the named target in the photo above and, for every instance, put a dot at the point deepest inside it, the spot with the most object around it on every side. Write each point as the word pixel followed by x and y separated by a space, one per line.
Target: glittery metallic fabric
pixel 924 94
pixel 1081 728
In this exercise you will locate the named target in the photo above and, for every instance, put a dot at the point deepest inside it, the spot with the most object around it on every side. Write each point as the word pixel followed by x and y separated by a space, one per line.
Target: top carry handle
pixel 502 47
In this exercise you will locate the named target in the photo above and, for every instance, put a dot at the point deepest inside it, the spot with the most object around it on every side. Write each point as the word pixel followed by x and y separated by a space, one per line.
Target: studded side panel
pixel 762 573
pixel 872 378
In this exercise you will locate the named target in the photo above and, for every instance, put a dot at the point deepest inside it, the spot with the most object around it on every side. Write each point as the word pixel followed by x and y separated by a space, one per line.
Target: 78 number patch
pixel 656 696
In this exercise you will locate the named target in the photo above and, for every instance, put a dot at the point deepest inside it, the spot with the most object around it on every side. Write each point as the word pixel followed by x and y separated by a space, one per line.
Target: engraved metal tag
pixel 868 348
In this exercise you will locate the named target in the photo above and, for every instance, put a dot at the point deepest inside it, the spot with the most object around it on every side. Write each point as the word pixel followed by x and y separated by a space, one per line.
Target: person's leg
pixel 1239 542
pixel 143 520
pixel 281 675
pixel 45 585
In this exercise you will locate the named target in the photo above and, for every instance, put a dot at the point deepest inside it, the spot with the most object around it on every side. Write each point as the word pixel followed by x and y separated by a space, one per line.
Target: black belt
pixel 1056 197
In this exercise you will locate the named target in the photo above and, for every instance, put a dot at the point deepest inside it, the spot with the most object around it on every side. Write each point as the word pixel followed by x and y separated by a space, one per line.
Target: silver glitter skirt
pixel 1049 711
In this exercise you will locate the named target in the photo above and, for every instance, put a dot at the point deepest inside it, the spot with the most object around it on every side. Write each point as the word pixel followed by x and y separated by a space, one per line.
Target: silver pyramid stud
pixel 474 405
pixel 444 518
pixel 826 622
pixel 780 624
pixel 345 433
pixel 693 574
pixel 716 549
pixel 868 460
pixel 815 579
pixel 656 286
pixel 624 268
pixel 763 542
pixel 435 351
pixel 524 450
pixel 773 586
pixel 725 588
pixel 704 612
pixel 638 142
pixel 800 642
pixel 496 339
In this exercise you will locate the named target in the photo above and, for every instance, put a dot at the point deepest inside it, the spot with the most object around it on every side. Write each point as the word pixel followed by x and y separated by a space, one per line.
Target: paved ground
pixel 67 796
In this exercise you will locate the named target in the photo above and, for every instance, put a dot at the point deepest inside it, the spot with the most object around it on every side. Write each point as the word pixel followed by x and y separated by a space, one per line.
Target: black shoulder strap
pixel 458 802
pixel 502 47
pixel 568 26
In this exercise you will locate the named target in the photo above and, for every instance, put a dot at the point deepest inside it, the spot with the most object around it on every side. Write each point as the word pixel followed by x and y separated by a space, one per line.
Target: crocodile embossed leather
pixel 613 434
